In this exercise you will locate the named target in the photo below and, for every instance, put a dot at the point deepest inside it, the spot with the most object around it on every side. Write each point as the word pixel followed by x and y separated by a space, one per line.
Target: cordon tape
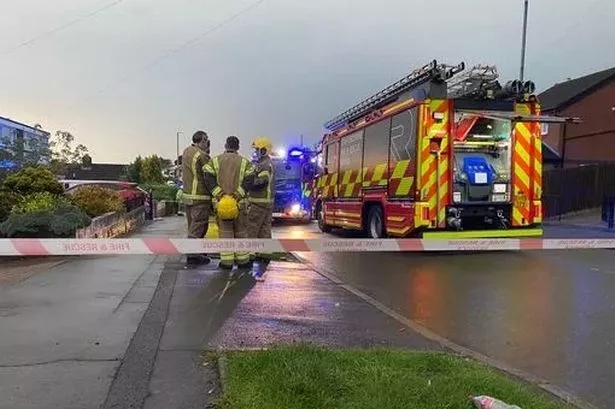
pixel 170 246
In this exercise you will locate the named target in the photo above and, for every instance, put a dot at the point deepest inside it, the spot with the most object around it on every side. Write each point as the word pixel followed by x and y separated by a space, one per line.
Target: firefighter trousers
pixel 259 225
pixel 234 229
pixel 197 216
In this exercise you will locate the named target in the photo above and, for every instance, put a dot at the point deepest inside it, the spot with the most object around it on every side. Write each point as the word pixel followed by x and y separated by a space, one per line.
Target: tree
pixel 133 172
pixel 151 171
pixel 33 179
pixel 63 153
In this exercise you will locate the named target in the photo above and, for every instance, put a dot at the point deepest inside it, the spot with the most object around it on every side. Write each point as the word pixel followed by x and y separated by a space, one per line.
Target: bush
pixel 33 179
pixel 96 200
pixel 8 199
pixel 162 192
pixel 38 202
pixel 61 222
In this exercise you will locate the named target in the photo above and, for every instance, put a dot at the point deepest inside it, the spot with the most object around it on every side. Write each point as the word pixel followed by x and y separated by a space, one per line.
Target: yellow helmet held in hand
pixel 262 145
pixel 228 209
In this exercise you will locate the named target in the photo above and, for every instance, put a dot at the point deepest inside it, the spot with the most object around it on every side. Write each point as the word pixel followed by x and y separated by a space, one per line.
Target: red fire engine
pixel 444 152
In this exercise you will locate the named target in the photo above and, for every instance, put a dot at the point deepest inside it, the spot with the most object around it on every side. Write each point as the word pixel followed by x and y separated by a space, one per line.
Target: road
pixel 548 313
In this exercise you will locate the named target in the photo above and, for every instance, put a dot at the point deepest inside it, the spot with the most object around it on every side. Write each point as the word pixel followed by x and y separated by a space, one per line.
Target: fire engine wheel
pixel 375 223
pixel 321 220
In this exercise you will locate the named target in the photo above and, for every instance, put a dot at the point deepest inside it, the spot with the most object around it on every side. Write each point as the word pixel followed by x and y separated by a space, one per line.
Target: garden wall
pixel 113 224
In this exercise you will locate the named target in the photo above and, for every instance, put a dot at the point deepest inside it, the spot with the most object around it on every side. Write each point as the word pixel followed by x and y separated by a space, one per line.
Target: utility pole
pixel 177 145
pixel 523 40
pixel 301 139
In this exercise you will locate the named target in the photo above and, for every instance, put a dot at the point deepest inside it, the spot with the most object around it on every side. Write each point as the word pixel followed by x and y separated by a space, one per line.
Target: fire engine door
pixel 435 161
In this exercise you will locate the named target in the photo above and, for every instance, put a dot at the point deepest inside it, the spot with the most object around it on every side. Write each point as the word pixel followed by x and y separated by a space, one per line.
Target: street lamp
pixel 177 145
pixel 523 40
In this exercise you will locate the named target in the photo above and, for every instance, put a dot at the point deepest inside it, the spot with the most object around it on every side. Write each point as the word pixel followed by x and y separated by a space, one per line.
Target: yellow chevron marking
pixel 522 154
pixel 379 171
pixel 520 173
pixel 400 168
pixel 349 189
pixel 518 218
pixel 524 131
pixel 404 186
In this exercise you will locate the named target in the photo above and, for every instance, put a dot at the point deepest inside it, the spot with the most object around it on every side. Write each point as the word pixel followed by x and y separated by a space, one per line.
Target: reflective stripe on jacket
pixel 228 172
pixel 193 160
pixel 263 192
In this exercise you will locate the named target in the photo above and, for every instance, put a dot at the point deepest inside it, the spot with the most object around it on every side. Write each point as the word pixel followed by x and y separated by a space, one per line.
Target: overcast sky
pixel 281 69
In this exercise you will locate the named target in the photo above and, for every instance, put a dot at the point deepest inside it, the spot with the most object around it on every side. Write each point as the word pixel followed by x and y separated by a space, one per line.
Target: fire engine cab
pixel 294 171
pixel 446 152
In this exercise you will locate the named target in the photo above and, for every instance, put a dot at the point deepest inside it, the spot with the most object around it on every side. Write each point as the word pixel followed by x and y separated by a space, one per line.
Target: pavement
pixel 129 332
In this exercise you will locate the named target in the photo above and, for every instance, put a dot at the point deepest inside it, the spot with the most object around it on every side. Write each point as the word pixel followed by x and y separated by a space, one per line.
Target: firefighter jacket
pixel 262 189
pixel 193 160
pixel 230 174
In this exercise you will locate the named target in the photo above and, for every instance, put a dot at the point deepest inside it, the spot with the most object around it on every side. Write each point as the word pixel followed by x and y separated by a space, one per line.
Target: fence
pixel 572 189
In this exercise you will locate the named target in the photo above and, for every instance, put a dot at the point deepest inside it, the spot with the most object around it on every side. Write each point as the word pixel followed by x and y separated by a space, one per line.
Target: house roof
pixel 11 122
pixel 95 171
pixel 567 92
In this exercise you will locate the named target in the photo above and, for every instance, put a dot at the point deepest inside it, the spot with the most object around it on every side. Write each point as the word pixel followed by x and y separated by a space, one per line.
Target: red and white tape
pixel 169 246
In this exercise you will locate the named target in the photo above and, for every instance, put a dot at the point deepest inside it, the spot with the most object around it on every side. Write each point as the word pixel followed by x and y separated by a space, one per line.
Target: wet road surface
pixel 548 313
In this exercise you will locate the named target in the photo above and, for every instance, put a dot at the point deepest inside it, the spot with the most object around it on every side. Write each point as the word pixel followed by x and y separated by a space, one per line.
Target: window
pixel 332 157
pixel 403 136
pixel 544 129
pixel 287 170
pixel 377 144
pixel 473 128
pixel 351 152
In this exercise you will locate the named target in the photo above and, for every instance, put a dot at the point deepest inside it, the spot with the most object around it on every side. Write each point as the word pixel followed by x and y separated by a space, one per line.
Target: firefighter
pixel 195 195
pixel 226 176
pixel 261 194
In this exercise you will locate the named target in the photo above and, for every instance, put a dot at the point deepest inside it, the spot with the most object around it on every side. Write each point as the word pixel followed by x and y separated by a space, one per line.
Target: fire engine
pixel 446 152
pixel 294 172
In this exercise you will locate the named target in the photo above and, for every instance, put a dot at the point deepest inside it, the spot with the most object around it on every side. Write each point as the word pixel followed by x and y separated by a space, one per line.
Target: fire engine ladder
pixel 430 72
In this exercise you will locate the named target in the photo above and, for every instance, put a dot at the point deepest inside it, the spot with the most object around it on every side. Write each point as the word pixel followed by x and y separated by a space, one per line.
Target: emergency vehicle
pixel 294 171
pixel 446 152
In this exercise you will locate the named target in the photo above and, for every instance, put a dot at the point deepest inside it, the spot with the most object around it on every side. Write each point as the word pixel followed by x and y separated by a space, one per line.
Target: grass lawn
pixel 304 377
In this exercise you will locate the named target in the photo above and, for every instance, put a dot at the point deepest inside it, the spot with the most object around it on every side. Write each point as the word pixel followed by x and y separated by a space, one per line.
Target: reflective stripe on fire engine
pixel 375 176
pixel 428 165
pixel 483 234
pixel 402 180
pixel 522 169
pixel 537 159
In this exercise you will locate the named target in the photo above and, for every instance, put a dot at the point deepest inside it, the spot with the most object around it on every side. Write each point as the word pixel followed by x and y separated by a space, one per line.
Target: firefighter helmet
pixel 228 209
pixel 262 145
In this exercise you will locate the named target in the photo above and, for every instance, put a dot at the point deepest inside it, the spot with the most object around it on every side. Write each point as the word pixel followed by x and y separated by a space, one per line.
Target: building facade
pixel 592 99
pixel 20 143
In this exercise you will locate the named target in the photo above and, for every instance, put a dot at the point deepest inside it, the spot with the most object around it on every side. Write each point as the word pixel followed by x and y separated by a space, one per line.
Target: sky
pixel 124 76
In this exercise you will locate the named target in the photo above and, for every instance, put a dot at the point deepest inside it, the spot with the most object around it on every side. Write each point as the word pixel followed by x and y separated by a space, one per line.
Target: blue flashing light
pixel 295 153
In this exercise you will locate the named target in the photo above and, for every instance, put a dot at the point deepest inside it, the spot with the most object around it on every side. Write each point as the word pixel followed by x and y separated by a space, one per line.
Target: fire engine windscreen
pixel 287 170
pixel 482 150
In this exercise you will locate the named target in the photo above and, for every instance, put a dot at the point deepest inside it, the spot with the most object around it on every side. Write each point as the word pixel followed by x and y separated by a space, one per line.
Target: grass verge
pixel 306 377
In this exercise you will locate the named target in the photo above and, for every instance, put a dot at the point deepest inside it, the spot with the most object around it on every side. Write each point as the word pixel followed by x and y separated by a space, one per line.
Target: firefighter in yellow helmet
pixel 261 193
pixel 227 176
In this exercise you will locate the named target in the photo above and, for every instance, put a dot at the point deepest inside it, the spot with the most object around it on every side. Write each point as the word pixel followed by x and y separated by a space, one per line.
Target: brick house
pixel 592 99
